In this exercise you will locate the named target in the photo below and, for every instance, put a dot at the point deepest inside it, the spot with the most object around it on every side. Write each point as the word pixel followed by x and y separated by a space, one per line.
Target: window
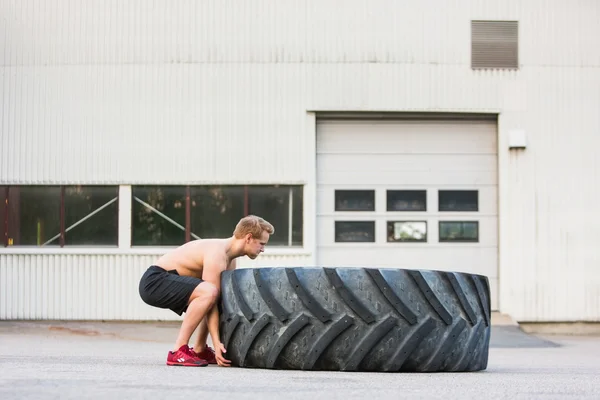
pixel 407 231
pixel 282 206
pixel 91 215
pixel 76 215
pixel 215 210
pixel 354 200
pixel 406 200
pixel 4 215
pixel 458 200
pixel 172 215
pixel 494 44
pixel 158 215
pixel 355 231
pixel 459 231
pixel 60 215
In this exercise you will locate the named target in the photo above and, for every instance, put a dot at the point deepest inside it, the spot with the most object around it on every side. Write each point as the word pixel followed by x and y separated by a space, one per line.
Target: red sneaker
pixel 207 354
pixel 185 357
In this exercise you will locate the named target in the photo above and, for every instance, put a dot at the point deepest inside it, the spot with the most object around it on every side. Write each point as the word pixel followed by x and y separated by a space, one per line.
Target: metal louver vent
pixel 494 44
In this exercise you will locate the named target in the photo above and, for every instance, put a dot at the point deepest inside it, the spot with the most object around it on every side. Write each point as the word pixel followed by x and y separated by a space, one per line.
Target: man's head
pixel 255 233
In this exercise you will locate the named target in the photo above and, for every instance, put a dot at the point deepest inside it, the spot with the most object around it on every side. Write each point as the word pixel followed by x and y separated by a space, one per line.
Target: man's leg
pixel 200 348
pixel 202 335
pixel 201 301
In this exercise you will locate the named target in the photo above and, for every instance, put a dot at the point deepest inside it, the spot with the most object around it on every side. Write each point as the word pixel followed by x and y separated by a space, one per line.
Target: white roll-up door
pixel 419 194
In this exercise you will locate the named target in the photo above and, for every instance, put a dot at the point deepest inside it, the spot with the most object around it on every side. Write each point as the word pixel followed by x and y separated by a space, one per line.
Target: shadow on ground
pixel 515 337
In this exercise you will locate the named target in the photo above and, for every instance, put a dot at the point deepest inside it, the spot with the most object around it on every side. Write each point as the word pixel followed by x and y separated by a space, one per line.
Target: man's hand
pixel 219 350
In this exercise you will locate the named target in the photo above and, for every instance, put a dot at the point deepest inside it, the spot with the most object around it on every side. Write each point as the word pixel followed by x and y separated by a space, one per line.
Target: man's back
pixel 188 259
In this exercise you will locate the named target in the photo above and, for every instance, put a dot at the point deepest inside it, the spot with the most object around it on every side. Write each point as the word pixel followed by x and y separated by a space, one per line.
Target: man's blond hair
pixel 254 225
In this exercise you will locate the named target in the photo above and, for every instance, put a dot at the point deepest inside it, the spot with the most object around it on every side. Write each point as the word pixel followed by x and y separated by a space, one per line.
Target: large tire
pixel 355 319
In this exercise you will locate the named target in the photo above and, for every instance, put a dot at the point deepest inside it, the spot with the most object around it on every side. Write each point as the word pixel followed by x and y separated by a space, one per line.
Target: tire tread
pixel 356 319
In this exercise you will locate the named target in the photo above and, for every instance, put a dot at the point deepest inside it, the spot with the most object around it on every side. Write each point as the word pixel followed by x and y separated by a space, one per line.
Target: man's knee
pixel 206 291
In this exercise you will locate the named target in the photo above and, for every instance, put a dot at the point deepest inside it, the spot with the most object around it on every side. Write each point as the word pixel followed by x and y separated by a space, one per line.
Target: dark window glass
pixel 459 231
pixel 34 215
pixel 4 215
pixel 406 200
pixel 158 215
pixel 91 215
pixel 407 231
pixel 215 210
pixel 458 200
pixel 354 200
pixel 355 231
pixel 297 216
pixel 273 204
pixel 159 212
pixel 31 215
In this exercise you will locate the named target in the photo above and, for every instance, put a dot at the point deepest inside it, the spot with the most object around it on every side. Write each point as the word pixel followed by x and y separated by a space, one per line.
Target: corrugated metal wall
pixel 77 287
pixel 549 258
pixel 185 92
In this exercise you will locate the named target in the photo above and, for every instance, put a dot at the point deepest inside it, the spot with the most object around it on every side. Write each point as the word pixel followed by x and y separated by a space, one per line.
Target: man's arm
pixel 213 329
pixel 212 274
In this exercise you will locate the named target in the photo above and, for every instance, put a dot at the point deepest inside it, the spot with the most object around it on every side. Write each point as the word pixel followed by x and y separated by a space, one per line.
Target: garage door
pixel 409 194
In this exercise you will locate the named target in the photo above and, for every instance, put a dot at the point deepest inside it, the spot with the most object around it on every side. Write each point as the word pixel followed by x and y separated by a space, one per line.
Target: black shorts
pixel 167 289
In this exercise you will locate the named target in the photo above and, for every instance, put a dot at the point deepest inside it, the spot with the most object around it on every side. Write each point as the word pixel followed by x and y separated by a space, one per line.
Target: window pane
pixel 216 210
pixel 298 216
pixel 354 200
pixel 406 200
pixel 34 215
pixel 148 226
pixel 407 231
pixel 4 215
pixel 459 231
pixel 355 231
pixel 458 200
pixel 94 210
pixel 272 203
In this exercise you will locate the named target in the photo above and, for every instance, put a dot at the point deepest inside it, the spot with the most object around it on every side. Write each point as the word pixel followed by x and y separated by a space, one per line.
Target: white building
pixel 436 135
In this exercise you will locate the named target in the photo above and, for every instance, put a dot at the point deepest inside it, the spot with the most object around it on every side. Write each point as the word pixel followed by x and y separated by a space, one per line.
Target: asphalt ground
pixel 68 360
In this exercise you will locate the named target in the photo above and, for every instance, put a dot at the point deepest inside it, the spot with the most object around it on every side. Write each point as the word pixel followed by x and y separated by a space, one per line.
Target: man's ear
pixel 248 237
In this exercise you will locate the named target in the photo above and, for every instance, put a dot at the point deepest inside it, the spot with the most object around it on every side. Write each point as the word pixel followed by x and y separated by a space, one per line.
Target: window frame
pixel 7 242
pixel 476 222
pixel 364 191
pixel 394 221
pixel 5 239
pixel 297 240
pixel 389 192
pixel 246 188
pixel 347 221
pixel 439 197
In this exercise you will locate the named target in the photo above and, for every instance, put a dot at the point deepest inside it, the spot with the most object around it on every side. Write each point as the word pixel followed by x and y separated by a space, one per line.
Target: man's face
pixel 255 246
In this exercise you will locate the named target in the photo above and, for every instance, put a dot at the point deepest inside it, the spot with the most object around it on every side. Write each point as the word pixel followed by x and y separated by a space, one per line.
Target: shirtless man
pixel 188 279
